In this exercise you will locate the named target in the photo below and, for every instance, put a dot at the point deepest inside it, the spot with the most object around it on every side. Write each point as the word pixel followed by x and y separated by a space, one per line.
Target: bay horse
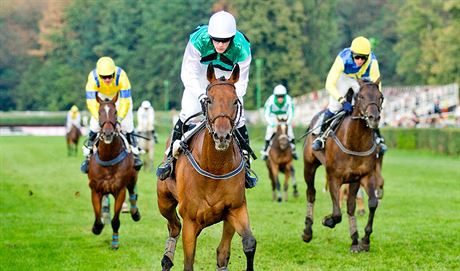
pixel 280 159
pixel 350 156
pixel 111 169
pixel 209 184
pixel 72 138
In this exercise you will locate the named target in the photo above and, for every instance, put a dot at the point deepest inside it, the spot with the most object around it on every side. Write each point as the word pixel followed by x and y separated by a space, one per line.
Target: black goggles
pixel 107 76
pixel 363 57
pixel 223 40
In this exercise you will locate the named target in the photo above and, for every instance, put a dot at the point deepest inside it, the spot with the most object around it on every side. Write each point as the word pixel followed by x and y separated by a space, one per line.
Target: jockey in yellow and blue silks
pixel 219 43
pixel 278 105
pixel 106 81
pixel 357 61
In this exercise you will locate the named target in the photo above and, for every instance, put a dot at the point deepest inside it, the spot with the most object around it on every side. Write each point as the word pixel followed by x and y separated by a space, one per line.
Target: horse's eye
pixel 360 97
pixel 235 103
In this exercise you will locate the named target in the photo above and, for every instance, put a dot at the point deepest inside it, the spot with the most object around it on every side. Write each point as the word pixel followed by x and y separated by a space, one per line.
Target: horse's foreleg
pixel 133 196
pixel 119 199
pixel 223 251
pixel 372 203
pixel 351 207
pixel 239 219
pixel 287 175
pixel 276 187
pixel 167 205
pixel 190 232
pixel 98 224
pixel 294 182
pixel 309 177
pixel 336 216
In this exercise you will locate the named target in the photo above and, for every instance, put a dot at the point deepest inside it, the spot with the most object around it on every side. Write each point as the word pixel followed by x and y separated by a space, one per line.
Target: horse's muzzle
pixel 221 140
pixel 107 137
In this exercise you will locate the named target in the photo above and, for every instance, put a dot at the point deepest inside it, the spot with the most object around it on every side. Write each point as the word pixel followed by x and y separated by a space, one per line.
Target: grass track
pixel 46 218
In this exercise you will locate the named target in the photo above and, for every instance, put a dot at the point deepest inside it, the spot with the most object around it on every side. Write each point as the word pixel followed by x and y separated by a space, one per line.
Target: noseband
pixel 233 121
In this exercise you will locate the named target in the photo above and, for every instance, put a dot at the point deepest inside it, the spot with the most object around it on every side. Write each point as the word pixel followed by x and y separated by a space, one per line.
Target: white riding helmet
pixel 146 104
pixel 280 90
pixel 222 25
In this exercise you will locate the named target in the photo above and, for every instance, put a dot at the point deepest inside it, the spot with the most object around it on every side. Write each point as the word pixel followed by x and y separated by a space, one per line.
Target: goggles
pixel 223 40
pixel 363 57
pixel 107 76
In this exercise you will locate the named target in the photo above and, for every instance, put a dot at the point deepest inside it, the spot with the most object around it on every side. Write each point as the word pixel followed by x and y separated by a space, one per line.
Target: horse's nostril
pixel 215 136
pixel 227 137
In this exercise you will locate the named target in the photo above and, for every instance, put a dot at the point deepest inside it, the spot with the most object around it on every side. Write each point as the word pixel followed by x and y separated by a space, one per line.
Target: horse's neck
pixel 355 132
pixel 112 150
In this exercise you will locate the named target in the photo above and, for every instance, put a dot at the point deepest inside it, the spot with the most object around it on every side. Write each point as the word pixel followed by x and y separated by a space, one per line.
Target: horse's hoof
pixel 307 235
pixel 355 249
pixel 361 212
pixel 136 216
pixel 166 263
pixel 296 194
pixel 364 247
pixel 279 199
pixel 115 247
pixel 328 221
pixel 97 229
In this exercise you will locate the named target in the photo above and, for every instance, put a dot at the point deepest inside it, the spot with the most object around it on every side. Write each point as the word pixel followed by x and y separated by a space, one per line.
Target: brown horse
pixel 280 160
pixel 111 169
pixel 349 157
pixel 72 138
pixel 209 182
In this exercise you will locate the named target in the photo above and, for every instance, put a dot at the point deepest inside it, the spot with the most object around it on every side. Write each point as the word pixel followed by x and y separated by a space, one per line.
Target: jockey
pixel 219 43
pixel 106 81
pixel 279 104
pixel 357 61
pixel 73 118
pixel 146 119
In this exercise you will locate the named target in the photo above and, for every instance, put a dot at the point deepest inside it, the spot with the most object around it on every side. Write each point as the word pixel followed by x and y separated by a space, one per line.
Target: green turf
pixel 46 219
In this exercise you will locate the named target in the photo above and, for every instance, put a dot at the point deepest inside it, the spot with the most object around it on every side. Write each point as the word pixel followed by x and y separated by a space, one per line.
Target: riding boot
pixel 132 140
pixel 164 170
pixel 251 181
pixel 379 140
pixel 88 148
pixel 318 143
pixel 264 152
pixel 294 153
pixel 154 136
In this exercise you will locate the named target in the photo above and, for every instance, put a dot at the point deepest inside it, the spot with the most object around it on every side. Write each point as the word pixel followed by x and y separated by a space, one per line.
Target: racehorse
pixel 72 138
pixel 349 157
pixel 111 169
pixel 146 143
pixel 209 184
pixel 280 160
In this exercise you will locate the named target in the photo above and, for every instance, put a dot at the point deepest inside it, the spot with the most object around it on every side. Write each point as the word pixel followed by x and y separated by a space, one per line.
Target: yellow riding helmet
pixel 361 46
pixel 74 108
pixel 105 66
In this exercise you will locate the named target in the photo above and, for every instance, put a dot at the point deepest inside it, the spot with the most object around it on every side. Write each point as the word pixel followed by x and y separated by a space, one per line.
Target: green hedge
pixel 446 140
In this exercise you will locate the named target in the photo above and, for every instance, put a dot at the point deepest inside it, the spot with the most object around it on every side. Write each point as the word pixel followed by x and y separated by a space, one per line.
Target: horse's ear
pixel 377 81
pixel 235 74
pixel 98 99
pixel 360 81
pixel 210 73
pixel 114 99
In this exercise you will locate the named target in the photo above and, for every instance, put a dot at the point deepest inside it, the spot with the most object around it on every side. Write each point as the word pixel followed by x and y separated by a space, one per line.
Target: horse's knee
pixel 373 203
pixel 249 245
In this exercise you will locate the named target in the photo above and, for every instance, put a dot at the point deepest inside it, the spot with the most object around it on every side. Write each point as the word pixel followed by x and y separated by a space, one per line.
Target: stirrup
pixel 318 144
pixel 250 178
pixel 84 166
pixel 138 163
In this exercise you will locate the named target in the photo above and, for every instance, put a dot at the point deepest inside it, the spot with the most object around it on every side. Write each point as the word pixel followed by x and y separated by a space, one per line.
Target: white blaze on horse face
pixel 107 109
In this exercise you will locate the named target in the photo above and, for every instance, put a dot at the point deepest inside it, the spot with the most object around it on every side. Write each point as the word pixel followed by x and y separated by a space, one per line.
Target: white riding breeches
pixel 343 84
pixel 127 124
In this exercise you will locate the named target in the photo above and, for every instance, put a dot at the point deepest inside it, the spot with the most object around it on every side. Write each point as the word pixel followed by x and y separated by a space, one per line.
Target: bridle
pixel 365 116
pixel 233 121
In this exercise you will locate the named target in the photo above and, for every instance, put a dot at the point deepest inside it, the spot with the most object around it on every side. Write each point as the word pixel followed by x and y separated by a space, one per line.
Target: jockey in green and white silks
pixel 219 43
pixel 278 106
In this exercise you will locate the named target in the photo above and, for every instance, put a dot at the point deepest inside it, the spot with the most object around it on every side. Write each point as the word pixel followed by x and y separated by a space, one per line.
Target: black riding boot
pixel 294 153
pixel 89 145
pixel 164 169
pixel 154 136
pixel 250 180
pixel 132 140
pixel 264 152
pixel 379 140
pixel 318 143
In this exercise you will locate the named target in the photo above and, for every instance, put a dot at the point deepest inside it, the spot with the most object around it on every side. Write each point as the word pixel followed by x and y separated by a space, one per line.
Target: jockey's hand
pixel 347 107
pixel 204 100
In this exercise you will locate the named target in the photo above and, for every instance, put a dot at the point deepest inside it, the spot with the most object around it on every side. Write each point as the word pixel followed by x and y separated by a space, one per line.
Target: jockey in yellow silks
pixel 356 61
pixel 106 81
